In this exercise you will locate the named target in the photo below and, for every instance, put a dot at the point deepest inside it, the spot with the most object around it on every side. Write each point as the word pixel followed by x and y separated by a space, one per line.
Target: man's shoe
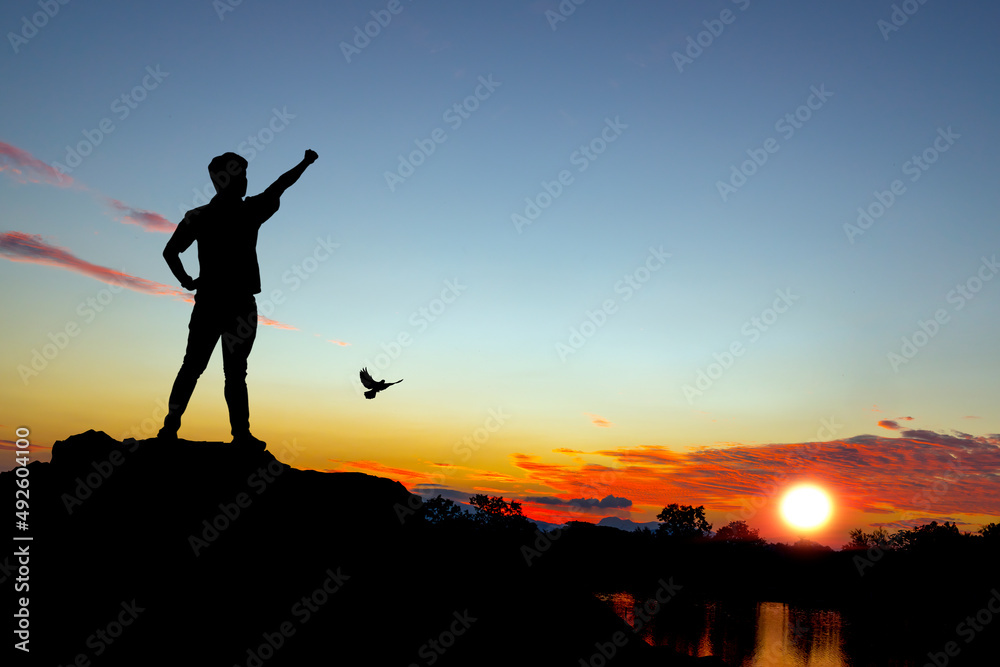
pixel 166 435
pixel 248 442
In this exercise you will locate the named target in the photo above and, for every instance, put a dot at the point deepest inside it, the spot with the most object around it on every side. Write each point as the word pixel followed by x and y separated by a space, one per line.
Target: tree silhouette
pixel 928 535
pixel 440 509
pixel 738 531
pixel 991 532
pixel 683 522
pixel 862 540
pixel 495 512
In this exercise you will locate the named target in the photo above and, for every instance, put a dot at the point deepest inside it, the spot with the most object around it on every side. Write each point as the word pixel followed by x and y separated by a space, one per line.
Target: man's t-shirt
pixel 226 232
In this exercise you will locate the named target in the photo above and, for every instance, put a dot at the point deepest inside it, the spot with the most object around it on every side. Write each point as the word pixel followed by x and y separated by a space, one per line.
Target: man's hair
pixel 223 167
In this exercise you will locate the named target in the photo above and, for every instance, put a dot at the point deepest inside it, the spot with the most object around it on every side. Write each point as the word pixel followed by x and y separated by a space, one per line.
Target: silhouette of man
pixel 224 305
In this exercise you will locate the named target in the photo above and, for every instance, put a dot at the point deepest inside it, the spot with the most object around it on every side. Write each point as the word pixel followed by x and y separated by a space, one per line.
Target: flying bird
pixel 374 385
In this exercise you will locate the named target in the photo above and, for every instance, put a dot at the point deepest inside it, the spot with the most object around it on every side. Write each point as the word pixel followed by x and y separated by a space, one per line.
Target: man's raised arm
pixel 286 180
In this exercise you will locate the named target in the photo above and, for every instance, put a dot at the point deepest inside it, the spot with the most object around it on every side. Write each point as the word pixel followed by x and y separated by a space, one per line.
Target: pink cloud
pixel 148 220
pixel 889 424
pixel 21 247
pixel 25 168
pixel 31 248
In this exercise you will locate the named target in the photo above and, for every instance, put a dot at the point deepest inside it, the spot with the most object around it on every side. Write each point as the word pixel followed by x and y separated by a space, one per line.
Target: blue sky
pixel 278 72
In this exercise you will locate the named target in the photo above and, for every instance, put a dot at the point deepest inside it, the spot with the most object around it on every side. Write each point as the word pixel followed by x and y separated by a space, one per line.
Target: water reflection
pixel 743 634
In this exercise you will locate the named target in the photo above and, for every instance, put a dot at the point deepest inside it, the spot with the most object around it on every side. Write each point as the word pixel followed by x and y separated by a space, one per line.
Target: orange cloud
pixel 402 475
pixel 267 321
pixel 11 446
pixel 597 420
pixel 918 472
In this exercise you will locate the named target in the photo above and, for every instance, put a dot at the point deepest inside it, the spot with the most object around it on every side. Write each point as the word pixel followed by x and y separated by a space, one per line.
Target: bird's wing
pixel 366 379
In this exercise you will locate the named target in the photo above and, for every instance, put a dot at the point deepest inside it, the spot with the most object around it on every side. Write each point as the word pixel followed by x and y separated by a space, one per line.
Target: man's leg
pixel 237 342
pixel 203 334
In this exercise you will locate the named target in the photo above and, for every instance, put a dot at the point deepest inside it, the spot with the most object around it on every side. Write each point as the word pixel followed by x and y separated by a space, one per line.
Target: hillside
pixel 144 553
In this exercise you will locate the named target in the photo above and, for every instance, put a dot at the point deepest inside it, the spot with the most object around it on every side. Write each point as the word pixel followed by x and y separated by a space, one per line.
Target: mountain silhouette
pixel 203 553
pixel 626 524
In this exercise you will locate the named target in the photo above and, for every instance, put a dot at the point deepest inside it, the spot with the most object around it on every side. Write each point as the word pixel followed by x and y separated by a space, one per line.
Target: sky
pixel 622 254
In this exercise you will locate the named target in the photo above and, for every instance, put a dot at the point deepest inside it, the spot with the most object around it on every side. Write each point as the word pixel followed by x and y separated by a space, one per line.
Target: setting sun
pixel 806 507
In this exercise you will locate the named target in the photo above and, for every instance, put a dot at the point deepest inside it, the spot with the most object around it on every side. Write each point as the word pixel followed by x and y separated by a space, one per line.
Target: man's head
pixel 229 174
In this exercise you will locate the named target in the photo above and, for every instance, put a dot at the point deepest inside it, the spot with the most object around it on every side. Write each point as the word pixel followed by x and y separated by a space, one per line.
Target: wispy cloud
pixel 598 420
pixel 919 471
pixel 919 521
pixel 148 220
pixel 889 424
pixel 21 247
pixel 276 324
pixel 32 248
pixel 11 446
pixel 402 475
pixel 23 167
pixel 607 502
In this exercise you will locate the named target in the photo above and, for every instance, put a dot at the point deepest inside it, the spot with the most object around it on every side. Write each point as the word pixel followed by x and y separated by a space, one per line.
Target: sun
pixel 806 506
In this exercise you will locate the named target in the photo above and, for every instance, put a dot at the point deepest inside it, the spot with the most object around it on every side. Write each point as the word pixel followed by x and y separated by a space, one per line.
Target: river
pixel 750 634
